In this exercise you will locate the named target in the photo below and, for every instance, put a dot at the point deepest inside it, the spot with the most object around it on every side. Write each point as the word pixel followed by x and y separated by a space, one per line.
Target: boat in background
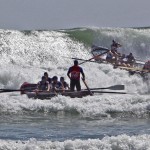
pixel 99 54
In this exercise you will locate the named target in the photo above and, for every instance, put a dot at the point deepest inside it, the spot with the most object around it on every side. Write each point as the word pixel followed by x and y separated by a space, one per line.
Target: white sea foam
pixel 121 142
pixel 26 56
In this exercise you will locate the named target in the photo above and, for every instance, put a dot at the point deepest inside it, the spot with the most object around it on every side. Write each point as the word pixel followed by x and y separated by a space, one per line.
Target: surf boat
pixel 48 95
pixel 99 55
pixel 31 91
pixel 73 94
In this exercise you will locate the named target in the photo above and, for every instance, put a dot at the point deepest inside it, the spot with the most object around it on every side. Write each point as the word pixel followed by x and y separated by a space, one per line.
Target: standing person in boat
pixel 43 85
pixel 64 83
pixel 114 50
pixel 47 78
pixel 115 46
pixel 113 55
pixel 56 85
pixel 74 76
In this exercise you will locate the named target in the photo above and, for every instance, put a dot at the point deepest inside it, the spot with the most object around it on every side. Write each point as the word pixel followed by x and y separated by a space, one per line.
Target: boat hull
pixel 49 95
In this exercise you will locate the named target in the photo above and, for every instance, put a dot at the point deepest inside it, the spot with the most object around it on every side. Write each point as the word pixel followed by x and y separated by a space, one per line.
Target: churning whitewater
pixel 107 121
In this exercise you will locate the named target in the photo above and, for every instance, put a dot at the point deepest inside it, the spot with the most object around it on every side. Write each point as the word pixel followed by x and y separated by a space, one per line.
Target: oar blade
pixel 109 92
pixel 117 87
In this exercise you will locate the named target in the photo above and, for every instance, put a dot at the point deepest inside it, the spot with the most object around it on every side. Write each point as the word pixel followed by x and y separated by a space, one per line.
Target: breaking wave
pixel 25 55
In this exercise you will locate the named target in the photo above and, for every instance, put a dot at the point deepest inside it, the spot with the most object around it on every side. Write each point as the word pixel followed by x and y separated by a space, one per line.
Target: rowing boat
pixel 49 95
pixel 30 90
pixel 135 69
pixel 74 94
pixel 138 65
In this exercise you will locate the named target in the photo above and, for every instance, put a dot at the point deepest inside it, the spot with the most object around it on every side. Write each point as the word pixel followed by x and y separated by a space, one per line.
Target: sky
pixel 62 14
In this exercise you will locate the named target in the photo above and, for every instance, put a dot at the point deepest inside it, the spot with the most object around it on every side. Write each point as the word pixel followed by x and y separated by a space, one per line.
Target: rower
pixel 115 45
pixel 113 55
pixel 114 50
pixel 56 85
pixel 122 61
pixel 130 60
pixel 64 83
pixel 110 57
pixel 47 78
pixel 147 66
pixel 74 76
pixel 43 84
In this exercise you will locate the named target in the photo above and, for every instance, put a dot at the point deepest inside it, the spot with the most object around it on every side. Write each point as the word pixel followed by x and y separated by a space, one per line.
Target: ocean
pixel 99 122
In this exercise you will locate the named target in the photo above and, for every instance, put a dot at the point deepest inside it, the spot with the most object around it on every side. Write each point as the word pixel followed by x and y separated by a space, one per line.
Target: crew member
pixel 47 78
pixel 113 55
pixel 147 65
pixel 110 57
pixel 43 84
pixel 74 75
pixel 115 46
pixel 114 51
pixel 64 83
pixel 56 85
pixel 122 61
pixel 130 60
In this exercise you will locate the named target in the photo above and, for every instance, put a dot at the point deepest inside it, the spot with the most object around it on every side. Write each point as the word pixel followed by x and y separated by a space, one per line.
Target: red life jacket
pixel 75 72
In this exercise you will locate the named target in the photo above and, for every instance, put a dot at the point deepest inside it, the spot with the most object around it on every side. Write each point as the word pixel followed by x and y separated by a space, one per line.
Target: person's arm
pixel 48 87
pixel 68 73
pixel 38 86
pixel 62 86
pixel 68 86
pixel 134 60
pixel 83 75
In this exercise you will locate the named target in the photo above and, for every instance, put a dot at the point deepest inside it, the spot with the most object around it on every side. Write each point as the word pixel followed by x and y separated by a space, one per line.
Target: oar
pixel 115 87
pixel 94 57
pixel 87 87
pixel 80 59
pixel 9 90
pixel 84 60
pixel 109 92
pixel 15 90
